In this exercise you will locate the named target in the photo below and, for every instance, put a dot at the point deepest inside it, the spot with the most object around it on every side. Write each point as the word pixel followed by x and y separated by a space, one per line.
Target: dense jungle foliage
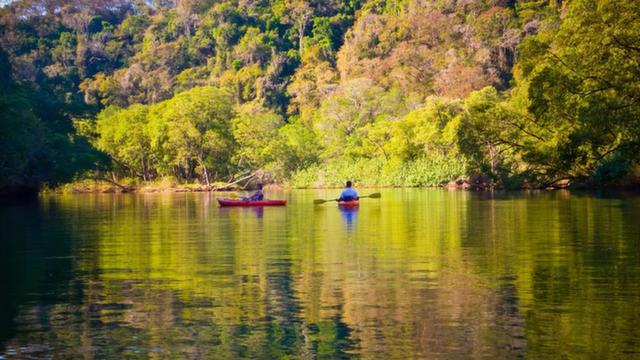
pixel 385 92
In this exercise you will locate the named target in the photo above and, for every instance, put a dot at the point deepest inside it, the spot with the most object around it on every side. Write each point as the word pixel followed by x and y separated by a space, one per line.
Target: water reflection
pixel 349 216
pixel 257 212
pixel 422 274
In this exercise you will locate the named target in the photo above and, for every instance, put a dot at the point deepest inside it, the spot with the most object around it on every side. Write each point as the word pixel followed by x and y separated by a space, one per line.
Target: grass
pixel 423 172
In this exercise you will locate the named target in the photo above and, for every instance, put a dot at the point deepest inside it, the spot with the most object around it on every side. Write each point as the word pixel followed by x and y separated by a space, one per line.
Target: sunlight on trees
pixel 526 92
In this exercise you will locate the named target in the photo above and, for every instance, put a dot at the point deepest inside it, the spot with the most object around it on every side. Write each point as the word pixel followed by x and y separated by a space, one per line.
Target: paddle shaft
pixel 372 196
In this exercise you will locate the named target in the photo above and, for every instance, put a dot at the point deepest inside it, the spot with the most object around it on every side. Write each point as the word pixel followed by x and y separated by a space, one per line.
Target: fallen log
pixel 228 185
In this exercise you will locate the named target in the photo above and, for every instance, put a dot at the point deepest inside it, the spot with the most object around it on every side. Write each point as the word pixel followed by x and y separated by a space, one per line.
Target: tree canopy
pixel 526 92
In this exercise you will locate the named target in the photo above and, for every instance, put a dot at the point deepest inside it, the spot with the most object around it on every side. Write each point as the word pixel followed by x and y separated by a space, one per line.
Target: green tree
pixel 37 144
pixel 122 133
pixel 192 133
pixel 353 105
pixel 582 80
pixel 255 129
pixel 486 133
pixel 427 131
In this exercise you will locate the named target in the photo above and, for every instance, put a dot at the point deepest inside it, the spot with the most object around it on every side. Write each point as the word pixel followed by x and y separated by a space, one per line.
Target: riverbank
pixel 372 174
pixel 88 186
pixel 470 183
pixel 103 187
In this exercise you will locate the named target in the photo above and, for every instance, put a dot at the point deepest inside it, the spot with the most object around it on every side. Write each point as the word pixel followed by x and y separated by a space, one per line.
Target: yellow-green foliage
pixel 256 131
pixel 208 90
pixel 430 129
pixel 123 135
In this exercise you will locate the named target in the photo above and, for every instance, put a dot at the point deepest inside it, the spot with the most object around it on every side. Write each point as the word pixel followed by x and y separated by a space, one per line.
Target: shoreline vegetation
pixel 478 94
pixel 103 187
pixel 476 182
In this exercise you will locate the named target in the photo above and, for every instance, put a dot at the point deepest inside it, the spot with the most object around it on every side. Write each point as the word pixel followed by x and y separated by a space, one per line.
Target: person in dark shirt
pixel 257 196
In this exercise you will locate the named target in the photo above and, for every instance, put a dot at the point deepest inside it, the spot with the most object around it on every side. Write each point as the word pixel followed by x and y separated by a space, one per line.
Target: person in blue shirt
pixel 257 196
pixel 348 193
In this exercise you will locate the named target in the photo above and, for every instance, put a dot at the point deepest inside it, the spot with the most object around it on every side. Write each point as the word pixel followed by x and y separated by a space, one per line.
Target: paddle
pixel 372 196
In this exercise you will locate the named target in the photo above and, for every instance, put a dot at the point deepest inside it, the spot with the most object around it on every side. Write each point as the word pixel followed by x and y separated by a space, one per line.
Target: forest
pixel 526 94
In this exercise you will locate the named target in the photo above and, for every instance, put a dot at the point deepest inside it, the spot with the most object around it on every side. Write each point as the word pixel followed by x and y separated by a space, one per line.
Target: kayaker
pixel 348 193
pixel 257 196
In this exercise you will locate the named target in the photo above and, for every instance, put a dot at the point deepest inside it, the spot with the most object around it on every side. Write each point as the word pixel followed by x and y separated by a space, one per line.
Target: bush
pixel 612 170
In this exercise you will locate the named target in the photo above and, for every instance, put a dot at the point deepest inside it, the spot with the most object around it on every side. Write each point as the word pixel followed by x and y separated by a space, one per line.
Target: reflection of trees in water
pixel 439 277
pixel 143 293
pixel 404 295
pixel 288 332
pixel 283 324
pixel 564 257
pixel 510 318
pixel 35 263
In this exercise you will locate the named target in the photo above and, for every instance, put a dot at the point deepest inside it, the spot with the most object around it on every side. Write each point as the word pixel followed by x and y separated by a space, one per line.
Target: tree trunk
pixel 204 171
pixel 206 177
pixel 144 170
pixel 301 28
pixel 493 158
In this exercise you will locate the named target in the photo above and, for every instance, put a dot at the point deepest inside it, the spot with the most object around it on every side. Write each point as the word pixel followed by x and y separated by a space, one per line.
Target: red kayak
pixel 240 202
pixel 349 204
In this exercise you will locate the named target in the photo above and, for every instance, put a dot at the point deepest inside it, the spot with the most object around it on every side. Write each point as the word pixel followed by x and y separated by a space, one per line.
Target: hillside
pixel 403 93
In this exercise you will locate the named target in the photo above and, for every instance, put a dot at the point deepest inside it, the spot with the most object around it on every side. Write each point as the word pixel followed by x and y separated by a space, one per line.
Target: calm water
pixel 416 274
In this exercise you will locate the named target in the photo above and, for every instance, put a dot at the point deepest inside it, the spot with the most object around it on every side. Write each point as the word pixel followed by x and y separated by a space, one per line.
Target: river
pixel 419 273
